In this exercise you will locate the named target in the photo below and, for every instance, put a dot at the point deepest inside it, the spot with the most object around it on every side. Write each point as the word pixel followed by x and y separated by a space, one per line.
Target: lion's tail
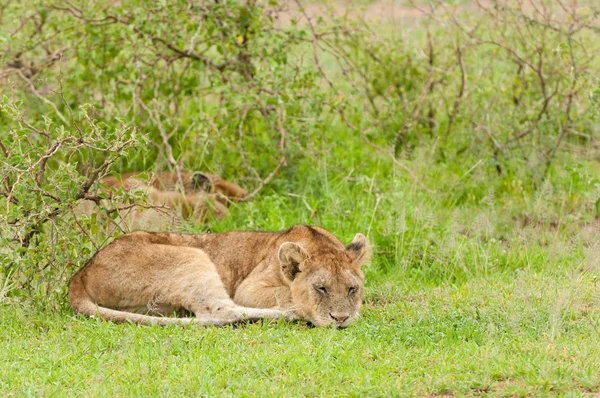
pixel 82 303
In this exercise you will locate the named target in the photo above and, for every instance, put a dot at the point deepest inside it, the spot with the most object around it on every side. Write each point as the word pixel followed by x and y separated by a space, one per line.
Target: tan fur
pixel 303 272
pixel 204 194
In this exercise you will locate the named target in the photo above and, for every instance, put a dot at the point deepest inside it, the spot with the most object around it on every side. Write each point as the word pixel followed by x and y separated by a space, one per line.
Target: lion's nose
pixel 339 318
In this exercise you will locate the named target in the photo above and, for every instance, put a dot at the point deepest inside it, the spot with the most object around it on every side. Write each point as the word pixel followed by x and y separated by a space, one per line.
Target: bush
pixel 105 87
pixel 503 82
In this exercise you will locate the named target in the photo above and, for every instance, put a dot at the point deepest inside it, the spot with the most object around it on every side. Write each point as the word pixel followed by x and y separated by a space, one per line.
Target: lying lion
pixel 304 272
pixel 204 194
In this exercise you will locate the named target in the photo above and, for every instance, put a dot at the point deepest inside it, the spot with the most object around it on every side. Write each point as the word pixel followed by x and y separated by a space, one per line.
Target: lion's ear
pixel 360 249
pixel 201 181
pixel 291 256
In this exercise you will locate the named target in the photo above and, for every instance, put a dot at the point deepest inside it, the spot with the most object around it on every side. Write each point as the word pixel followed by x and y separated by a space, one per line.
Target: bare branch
pixel 281 162
pixel 165 142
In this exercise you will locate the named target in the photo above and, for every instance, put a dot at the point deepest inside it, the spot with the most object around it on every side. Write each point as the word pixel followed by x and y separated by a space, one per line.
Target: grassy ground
pixel 528 333
pixel 486 285
pixel 465 299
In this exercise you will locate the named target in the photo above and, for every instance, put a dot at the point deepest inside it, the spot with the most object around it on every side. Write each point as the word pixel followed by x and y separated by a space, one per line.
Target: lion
pixel 224 278
pixel 204 194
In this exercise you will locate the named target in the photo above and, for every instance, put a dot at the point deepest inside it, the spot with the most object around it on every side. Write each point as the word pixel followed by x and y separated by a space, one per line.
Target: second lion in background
pixel 205 194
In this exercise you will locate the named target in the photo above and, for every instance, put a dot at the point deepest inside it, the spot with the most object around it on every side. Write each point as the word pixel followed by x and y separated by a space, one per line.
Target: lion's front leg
pixel 262 294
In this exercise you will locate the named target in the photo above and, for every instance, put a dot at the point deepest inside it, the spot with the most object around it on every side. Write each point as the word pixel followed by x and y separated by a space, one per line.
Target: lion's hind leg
pixel 142 274
pixel 214 301
pixel 192 283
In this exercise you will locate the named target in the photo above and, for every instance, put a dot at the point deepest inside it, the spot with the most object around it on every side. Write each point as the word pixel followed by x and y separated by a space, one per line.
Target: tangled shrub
pixel 45 170
pixel 232 88
pixel 512 81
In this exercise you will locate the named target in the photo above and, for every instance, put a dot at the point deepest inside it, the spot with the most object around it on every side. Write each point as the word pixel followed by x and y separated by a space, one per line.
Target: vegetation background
pixel 462 137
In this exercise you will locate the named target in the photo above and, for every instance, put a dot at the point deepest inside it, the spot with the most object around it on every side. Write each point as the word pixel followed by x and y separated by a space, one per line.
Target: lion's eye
pixel 322 289
pixel 351 291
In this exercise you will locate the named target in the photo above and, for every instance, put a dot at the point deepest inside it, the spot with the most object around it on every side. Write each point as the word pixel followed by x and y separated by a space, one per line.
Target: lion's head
pixel 326 278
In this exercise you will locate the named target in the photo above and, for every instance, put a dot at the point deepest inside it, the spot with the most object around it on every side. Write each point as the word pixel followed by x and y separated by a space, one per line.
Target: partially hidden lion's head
pixel 325 276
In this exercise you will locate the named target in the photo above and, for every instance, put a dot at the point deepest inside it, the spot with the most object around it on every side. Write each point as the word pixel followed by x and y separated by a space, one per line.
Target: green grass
pixel 489 285
pixel 527 333
pixel 484 287
pixel 461 300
